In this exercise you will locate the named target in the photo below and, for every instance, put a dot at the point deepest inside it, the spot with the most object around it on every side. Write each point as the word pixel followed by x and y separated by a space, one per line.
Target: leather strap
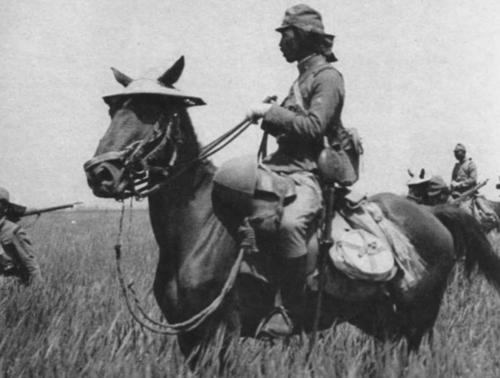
pixel 298 96
pixel 262 147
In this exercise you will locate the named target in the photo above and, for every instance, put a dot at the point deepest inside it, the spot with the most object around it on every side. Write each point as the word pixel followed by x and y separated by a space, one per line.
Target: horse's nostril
pixel 107 178
pixel 103 174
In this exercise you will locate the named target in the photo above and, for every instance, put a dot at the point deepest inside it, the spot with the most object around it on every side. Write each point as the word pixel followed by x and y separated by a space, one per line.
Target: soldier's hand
pixel 257 111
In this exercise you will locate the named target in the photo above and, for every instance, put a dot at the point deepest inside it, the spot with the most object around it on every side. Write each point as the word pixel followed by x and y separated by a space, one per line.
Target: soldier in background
pixel 464 175
pixel 16 251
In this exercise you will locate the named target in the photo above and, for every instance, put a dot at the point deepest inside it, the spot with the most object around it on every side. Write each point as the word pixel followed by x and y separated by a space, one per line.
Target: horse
pixel 432 190
pixel 151 149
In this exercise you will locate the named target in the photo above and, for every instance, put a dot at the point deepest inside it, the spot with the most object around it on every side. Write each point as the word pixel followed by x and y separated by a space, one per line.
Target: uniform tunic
pixel 300 131
pixel 465 174
pixel 16 250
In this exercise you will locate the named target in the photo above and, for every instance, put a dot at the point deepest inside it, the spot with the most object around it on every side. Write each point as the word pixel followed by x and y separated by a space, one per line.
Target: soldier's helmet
pixel 303 17
pixel 309 20
pixel 4 195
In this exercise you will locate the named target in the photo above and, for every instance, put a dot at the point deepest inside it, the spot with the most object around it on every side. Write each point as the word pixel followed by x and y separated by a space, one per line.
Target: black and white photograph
pixel 249 188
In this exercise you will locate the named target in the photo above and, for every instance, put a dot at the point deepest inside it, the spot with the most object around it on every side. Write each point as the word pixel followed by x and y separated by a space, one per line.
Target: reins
pixel 131 300
pixel 210 149
pixel 166 328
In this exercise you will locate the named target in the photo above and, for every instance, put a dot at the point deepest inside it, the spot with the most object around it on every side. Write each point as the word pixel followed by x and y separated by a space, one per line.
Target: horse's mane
pixel 184 187
pixel 191 147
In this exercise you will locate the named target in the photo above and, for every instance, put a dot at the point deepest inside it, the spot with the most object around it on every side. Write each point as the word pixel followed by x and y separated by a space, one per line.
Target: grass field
pixel 78 325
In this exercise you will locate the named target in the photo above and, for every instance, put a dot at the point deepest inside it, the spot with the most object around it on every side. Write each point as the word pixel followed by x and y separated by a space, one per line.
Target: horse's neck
pixel 186 198
pixel 184 182
pixel 181 213
pixel 186 228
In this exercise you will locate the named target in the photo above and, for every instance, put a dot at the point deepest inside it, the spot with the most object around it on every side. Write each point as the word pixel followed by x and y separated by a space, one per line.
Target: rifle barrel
pixel 49 209
pixel 467 193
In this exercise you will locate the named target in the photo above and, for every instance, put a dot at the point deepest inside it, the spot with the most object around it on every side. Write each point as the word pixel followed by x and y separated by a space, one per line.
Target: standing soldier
pixel 310 112
pixel 464 175
pixel 16 252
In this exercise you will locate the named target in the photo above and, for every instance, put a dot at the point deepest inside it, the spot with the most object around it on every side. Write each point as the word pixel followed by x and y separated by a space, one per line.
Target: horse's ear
pixel 422 173
pixel 410 173
pixel 121 77
pixel 173 73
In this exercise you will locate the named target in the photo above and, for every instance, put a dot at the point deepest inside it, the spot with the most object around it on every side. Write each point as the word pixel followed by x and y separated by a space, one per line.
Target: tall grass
pixel 78 325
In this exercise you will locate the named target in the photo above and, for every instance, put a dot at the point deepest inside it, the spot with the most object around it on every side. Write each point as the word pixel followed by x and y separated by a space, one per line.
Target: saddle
pixel 243 188
pixel 480 209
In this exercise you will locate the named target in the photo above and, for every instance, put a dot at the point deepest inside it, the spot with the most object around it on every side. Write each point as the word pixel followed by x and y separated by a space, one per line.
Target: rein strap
pixel 171 328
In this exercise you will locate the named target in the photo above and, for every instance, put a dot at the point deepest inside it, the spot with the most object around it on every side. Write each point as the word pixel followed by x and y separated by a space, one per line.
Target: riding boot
pixel 286 319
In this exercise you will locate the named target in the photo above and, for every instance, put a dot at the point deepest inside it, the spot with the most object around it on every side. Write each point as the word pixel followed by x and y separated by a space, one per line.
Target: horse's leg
pixel 255 300
pixel 165 288
pixel 225 321
pixel 420 313
pixel 215 338
pixel 494 238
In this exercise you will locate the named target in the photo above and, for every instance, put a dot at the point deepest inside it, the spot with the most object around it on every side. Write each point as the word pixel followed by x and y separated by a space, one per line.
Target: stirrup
pixel 276 325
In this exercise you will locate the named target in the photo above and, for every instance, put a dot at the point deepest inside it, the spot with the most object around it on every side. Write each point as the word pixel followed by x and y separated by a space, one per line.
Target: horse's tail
pixel 470 242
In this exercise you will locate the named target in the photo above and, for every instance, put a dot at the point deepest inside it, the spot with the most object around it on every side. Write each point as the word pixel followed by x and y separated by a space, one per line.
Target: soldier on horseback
pixel 387 273
pixel 464 174
pixel 310 114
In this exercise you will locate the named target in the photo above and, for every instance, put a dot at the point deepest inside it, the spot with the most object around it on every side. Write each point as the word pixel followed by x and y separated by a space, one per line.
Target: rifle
pixel 468 193
pixel 328 173
pixel 15 212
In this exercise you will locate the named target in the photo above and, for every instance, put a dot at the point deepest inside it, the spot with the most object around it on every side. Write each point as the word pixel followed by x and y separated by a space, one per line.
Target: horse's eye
pixel 114 104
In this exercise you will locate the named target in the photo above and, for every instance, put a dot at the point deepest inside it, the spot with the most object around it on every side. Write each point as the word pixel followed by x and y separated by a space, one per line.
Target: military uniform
pixel 311 111
pixel 465 175
pixel 17 252
pixel 299 130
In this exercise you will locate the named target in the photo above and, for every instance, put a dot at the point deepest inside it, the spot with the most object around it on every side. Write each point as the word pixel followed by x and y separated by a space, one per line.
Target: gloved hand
pixel 257 111
pixel 454 185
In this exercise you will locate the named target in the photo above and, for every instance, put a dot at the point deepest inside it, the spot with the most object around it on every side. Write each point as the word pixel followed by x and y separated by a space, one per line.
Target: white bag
pixel 360 254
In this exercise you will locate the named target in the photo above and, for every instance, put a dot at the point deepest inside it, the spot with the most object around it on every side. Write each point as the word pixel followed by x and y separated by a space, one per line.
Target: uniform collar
pixel 310 61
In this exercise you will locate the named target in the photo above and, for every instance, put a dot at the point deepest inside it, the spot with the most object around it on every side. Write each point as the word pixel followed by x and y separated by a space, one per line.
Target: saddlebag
pixel 243 188
pixel 360 254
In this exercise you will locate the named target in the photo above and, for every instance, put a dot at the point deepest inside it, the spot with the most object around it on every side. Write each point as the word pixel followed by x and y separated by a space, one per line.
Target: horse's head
pixel 427 189
pixel 143 137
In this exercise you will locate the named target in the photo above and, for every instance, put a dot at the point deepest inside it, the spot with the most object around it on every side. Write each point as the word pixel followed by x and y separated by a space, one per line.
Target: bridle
pixel 144 165
pixel 142 159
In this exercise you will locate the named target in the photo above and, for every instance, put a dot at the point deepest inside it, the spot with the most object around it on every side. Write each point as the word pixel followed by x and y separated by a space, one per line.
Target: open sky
pixel 420 77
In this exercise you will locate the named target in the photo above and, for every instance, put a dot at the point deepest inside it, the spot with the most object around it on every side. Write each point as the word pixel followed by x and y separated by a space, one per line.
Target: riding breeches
pixel 300 217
